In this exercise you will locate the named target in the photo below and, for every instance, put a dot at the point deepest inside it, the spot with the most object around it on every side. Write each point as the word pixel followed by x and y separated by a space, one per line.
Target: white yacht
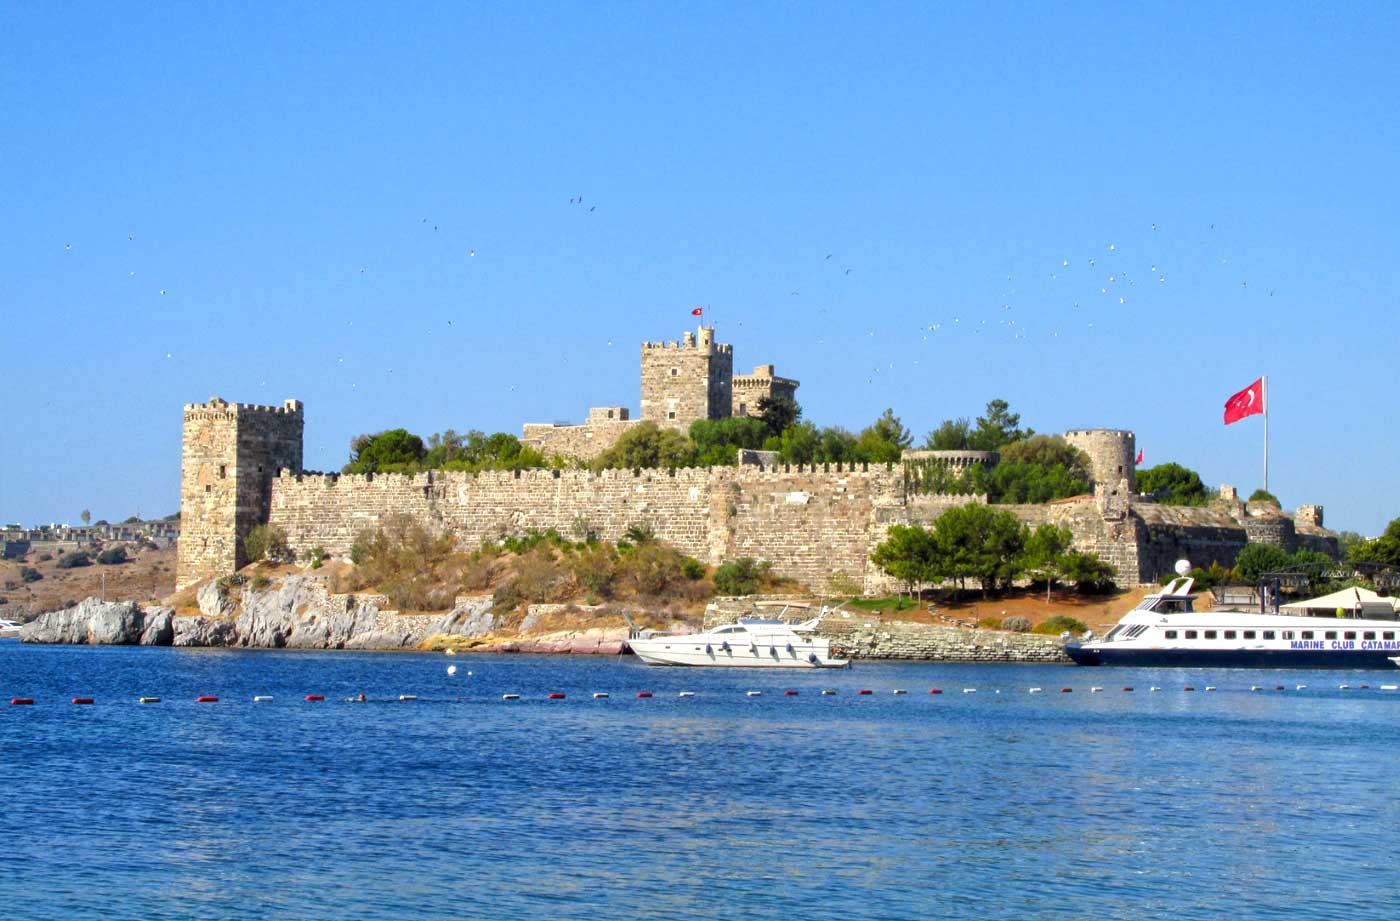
pixel 1165 629
pixel 9 630
pixel 753 642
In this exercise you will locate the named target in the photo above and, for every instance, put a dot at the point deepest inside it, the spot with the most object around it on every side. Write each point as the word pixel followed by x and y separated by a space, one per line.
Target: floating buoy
pixel 1188 688
pixel 1302 687
pixel 969 690
pixel 1365 687
pixel 865 691
pixel 1066 690
pixel 148 700
pixel 1384 687
pixel 898 691
pixel 686 694
pixel 1255 687
pixel 315 696
pixel 600 695
pixel 1035 690
pixel 753 693
pixel 1344 687
pixel 1210 687
pixel 1279 687
pixel 408 697
pixel 262 699
pixel 1095 690
pixel 83 700
pixel 644 693
pixel 21 701
pixel 827 692
pixel 1127 689
pixel 789 693
pixel 1154 689
pixel 935 690
pixel 556 696
pixel 510 697
pixel 452 669
pixel 206 699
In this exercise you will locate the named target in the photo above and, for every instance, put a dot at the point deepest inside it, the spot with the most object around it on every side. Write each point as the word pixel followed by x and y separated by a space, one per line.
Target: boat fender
pixel 790 649
pixel 724 645
pixel 812 657
pixel 83 700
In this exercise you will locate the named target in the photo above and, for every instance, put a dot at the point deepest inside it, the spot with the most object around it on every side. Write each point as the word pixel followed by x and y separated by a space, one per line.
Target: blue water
pixel 461 805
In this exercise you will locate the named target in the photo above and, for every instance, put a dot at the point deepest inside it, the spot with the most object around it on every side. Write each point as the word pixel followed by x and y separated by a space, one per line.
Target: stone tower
pixel 687 380
pixel 749 389
pixel 1112 459
pixel 230 453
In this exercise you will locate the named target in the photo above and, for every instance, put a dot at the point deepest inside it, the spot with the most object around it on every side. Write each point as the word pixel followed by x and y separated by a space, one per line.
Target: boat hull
pixel 1234 658
pixel 660 652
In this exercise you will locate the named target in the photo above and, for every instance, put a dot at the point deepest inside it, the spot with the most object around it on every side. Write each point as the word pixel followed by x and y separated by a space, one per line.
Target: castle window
pixel 671 414
pixel 743 410
pixel 223 472
pixel 208 487
pixel 675 372
pixel 610 414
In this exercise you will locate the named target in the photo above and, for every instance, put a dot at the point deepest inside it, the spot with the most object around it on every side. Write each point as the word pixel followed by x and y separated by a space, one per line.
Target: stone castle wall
pixel 763 383
pixel 584 442
pixel 687 380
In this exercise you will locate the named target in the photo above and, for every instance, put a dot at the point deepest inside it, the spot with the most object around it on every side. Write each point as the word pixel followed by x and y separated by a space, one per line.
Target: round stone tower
pixel 1112 455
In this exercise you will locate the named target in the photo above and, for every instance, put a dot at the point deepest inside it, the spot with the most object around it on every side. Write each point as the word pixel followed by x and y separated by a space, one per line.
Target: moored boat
pixel 1166 630
pixel 752 642
pixel 9 630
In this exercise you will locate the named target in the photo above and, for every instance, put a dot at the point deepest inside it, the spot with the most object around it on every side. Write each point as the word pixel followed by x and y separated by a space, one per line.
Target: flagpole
pixel 1266 433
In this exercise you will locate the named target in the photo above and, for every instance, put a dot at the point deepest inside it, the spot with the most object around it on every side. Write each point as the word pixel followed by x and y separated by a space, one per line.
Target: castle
pixel 681 382
pixel 242 466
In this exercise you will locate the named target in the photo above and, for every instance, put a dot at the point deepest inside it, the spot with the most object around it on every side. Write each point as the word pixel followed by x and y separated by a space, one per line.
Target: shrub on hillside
pixel 74 560
pixel 595 569
pixel 539 577
pixel 1058 624
pixel 112 557
pixel 741 576
pixel 29 574
pixel 1016 624
pixel 45 557
pixel 265 542
pixel 651 568
pixel 989 623
pixel 406 561
pixel 693 568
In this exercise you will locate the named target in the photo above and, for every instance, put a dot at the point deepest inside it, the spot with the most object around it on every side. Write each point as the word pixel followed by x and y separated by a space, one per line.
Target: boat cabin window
pixel 1369 635
pixel 1249 634
pixel 1190 634
pixel 1229 634
pixel 1388 635
pixel 1350 635
pixel 1116 631
pixel 1268 634
pixel 1330 635
pixel 1307 634
pixel 1172 606
pixel 1171 634
pixel 1210 634
pixel 1288 634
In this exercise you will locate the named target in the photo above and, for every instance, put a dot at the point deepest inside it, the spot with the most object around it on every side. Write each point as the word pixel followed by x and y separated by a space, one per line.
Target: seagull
pixel 593 208
pixel 1065 264
pixel 848 271
pixel 162 290
pixel 829 255
pixel 167 354
pixel 1111 247
pixel 67 247
pixel 472 253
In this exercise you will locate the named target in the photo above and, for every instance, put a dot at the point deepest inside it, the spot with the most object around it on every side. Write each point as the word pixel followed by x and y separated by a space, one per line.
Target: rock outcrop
pixel 93 622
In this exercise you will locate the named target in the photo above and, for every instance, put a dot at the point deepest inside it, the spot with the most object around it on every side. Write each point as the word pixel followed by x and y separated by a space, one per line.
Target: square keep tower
pixel 687 380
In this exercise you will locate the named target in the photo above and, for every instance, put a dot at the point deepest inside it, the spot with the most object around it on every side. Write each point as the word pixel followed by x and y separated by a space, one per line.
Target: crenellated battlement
pixel 217 405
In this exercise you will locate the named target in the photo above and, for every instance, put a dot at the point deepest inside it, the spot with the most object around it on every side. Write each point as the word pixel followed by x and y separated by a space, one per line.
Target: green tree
pixel 951 435
pixel 799 443
pixel 981 543
pixel 911 555
pixel 836 446
pixel 999 427
pixel 1173 484
pixel 392 450
pixel 884 440
pixel 1087 571
pixel 1256 559
pixel 112 556
pixel 741 576
pixel 717 441
pixel 1044 554
pixel 778 413
pixel 1384 549
pixel 1036 470
pixel 86 516
pixel 646 445
pixel 1263 495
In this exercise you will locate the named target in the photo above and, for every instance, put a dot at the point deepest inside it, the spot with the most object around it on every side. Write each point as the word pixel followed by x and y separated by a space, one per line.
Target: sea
pixel 983 801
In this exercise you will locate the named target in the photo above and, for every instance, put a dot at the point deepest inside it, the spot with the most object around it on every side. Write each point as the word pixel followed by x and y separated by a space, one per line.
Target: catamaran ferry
pixel 1165 629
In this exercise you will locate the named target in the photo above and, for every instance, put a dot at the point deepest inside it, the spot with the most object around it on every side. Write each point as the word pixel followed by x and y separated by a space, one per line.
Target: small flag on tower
pixel 1248 402
pixel 698 311
pixel 1139 457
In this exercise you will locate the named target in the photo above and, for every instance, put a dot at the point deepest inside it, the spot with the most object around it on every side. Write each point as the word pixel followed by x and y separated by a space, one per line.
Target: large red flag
pixel 1248 402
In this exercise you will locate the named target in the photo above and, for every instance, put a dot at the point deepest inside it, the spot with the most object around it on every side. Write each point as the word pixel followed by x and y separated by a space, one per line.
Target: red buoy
pixel 1278 687
pixel 315 697
pixel 1066 690
pixel 935 690
pixel 1188 688
pixel 82 700
pixel 1127 689
pixel 865 692
pixel 206 700
pixel 789 693
pixel 556 696
pixel 21 701
pixel 643 693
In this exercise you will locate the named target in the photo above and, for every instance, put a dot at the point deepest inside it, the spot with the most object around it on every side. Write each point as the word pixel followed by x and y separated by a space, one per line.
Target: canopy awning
pixel 1348 599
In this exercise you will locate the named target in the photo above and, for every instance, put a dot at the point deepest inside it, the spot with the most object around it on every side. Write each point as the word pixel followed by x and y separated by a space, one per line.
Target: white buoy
pixel 148 700
pixel 452 669
pixel 754 693
pixel 408 697
pixel 1344 687
pixel 1036 690
pixel 1390 687
pixel 1095 690
pixel 263 699
pixel 510 697
pixel 687 694
pixel 898 691
pixel 1255 687
pixel 1301 687
pixel 1210 687
pixel 828 693
pixel 969 690
pixel 599 695
pixel 1154 689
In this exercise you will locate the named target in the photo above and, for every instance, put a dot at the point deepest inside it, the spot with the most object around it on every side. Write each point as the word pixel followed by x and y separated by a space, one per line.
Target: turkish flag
pixel 698 311
pixel 1139 457
pixel 1248 402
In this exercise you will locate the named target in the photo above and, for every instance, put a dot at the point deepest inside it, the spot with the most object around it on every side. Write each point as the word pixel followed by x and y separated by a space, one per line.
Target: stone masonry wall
pixel 687 380
pixel 584 442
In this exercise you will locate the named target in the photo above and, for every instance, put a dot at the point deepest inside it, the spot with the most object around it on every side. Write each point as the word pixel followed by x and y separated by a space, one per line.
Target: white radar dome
pixel 1183 567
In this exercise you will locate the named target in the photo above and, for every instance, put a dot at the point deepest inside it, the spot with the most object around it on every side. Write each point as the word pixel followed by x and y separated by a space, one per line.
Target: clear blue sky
pixel 267 201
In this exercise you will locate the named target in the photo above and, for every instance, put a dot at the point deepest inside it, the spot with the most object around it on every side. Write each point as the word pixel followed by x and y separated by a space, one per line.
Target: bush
pixel 651 568
pixel 74 560
pixel 595 569
pixel 539 577
pixel 260 582
pixel 316 557
pixel 112 557
pixel 30 574
pixel 1058 624
pixel 741 576
pixel 405 560
pixel 693 568
pixel 1016 624
pixel 265 542
pixel 45 557
pixel 989 623
pixel 841 583
pixel 1263 495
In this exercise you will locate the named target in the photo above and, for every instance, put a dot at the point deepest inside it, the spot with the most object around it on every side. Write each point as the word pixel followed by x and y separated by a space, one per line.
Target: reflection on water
pixel 1110 805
